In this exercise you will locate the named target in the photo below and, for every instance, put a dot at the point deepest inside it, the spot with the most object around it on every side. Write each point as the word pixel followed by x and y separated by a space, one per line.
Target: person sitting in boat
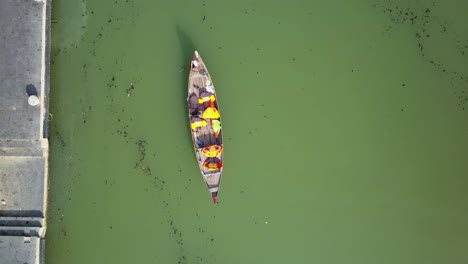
pixel 212 164
pixel 195 65
pixel 198 105
pixel 198 142
pixel 194 105
pixel 197 122
pixel 207 97
pixel 205 100
pixel 209 86
pixel 216 126
pixel 211 113
pixel 207 94
pixel 212 151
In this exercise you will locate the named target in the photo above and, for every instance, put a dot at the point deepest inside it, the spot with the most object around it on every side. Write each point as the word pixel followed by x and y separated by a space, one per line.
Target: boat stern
pixel 214 195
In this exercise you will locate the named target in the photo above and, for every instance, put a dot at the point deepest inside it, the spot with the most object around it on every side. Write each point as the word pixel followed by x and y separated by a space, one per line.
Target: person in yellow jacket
pixel 211 113
pixel 197 122
pixel 206 98
pixel 212 151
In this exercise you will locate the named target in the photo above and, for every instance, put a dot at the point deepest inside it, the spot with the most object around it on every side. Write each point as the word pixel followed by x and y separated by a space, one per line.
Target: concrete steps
pixel 21 143
pixel 22 166
pixel 21 221
pixel 22 226
pixel 23 148
pixel 22 152
pixel 21 231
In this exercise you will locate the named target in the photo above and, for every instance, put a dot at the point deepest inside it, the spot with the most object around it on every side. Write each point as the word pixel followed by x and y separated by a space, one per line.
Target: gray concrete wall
pixel 24 71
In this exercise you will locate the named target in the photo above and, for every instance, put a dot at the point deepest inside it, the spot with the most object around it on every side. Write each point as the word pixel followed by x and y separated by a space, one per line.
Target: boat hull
pixel 205 124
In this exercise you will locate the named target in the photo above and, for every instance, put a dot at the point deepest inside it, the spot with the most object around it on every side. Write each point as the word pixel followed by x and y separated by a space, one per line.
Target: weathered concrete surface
pixel 24 71
pixel 22 186
pixel 21 56
pixel 20 250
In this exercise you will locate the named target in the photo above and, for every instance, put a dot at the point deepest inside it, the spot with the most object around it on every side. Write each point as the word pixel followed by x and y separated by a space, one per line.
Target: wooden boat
pixel 205 125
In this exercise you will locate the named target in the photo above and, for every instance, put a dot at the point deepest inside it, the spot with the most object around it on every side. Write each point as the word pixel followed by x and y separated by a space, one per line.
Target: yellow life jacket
pixel 212 151
pixel 205 99
pixel 213 166
pixel 197 124
pixel 211 113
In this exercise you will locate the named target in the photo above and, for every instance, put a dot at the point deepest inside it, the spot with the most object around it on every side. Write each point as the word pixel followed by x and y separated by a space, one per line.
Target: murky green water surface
pixel 345 129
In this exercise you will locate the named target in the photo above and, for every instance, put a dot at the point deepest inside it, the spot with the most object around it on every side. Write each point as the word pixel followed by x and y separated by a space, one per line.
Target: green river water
pixel 345 126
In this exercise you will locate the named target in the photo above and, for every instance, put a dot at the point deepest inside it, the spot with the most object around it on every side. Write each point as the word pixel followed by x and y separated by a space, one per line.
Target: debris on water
pixel 130 90
pixel 141 146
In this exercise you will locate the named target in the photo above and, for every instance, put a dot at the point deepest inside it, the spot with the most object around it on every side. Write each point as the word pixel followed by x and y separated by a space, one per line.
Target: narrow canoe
pixel 205 125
